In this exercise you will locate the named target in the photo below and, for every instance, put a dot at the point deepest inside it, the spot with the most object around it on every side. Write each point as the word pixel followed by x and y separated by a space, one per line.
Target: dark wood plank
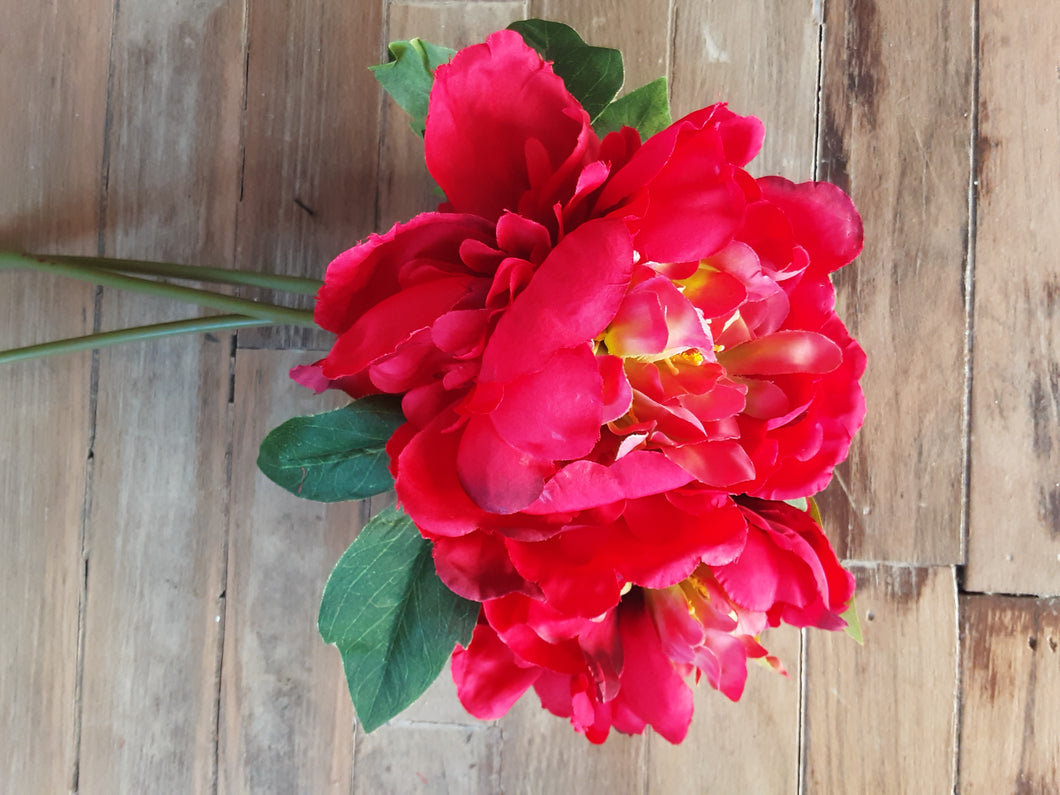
pixel 1014 512
pixel 54 61
pixel 156 530
pixel 881 717
pixel 1010 686
pixel 894 132
pixel 311 148
pixel 286 722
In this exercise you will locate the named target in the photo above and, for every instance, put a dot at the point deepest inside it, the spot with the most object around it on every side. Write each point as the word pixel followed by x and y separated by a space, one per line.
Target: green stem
pixel 205 298
pixel 200 273
pixel 192 326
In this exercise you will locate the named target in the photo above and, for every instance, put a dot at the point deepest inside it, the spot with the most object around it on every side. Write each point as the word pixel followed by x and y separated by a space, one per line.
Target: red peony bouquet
pixel 604 379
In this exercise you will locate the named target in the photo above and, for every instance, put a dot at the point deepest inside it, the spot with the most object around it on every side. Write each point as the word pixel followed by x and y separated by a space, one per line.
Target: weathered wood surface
pixel 285 723
pixel 895 131
pixel 51 138
pixel 1010 679
pixel 882 717
pixel 1014 534
pixel 155 532
pixel 183 656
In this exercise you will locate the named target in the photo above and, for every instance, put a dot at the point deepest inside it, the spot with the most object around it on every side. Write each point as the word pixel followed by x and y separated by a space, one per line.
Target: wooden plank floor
pixel 160 595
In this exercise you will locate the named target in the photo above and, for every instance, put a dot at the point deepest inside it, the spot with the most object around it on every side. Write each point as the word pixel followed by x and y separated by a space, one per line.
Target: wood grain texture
pixel 762 58
pixel 156 531
pixel 714 757
pixel 311 146
pixel 1010 681
pixel 881 717
pixel 202 669
pixel 895 131
pixel 53 58
pixel 540 752
pixel 286 722
pixel 1014 512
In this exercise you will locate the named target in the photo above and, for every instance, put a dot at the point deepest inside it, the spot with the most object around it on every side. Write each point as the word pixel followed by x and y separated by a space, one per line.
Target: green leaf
pixel 853 627
pixel 393 621
pixel 408 76
pixel 799 502
pixel 647 110
pixel 337 455
pixel 592 74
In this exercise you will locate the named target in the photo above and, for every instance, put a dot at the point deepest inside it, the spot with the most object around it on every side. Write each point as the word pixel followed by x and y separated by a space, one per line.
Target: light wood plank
pixel 640 29
pixel 1014 513
pixel 405 186
pixel 1010 686
pixel 286 720
pixel 311 144
pixel 748 746
pixel 895 132
pixel 762 58
pixel 156 533
pixel 54 61
pixel 45 432
pixel 539 752
pixel 428 758
pixel 881 717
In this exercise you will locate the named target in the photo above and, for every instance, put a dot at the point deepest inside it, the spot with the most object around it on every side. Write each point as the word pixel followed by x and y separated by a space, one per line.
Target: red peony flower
pixel 580 300
pixel 613 359
pixel 627 668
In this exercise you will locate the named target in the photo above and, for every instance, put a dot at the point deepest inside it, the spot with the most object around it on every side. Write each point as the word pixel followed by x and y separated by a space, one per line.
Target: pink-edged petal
pixel 617 392
pixel 487 105
pixel 655 319
pixel 783 352
pixel 719 464
pixel 572 297
pixel 585 484
pixel 714 292
pixel 498 477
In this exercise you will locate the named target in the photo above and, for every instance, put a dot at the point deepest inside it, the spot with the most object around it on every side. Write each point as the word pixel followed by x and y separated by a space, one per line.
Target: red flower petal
pixel 804 352
pixel 572 297
pixel 498 477
pixel 490 105
pixel 585 484
pixel 477 567
pixel 823 218
pixel 488 677
pixel 555 413
pixel 650 685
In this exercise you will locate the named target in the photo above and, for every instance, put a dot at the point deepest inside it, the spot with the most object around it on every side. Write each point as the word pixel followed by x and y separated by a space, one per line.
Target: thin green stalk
pixel 102 340
pixel 199 273
pixel 204 298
